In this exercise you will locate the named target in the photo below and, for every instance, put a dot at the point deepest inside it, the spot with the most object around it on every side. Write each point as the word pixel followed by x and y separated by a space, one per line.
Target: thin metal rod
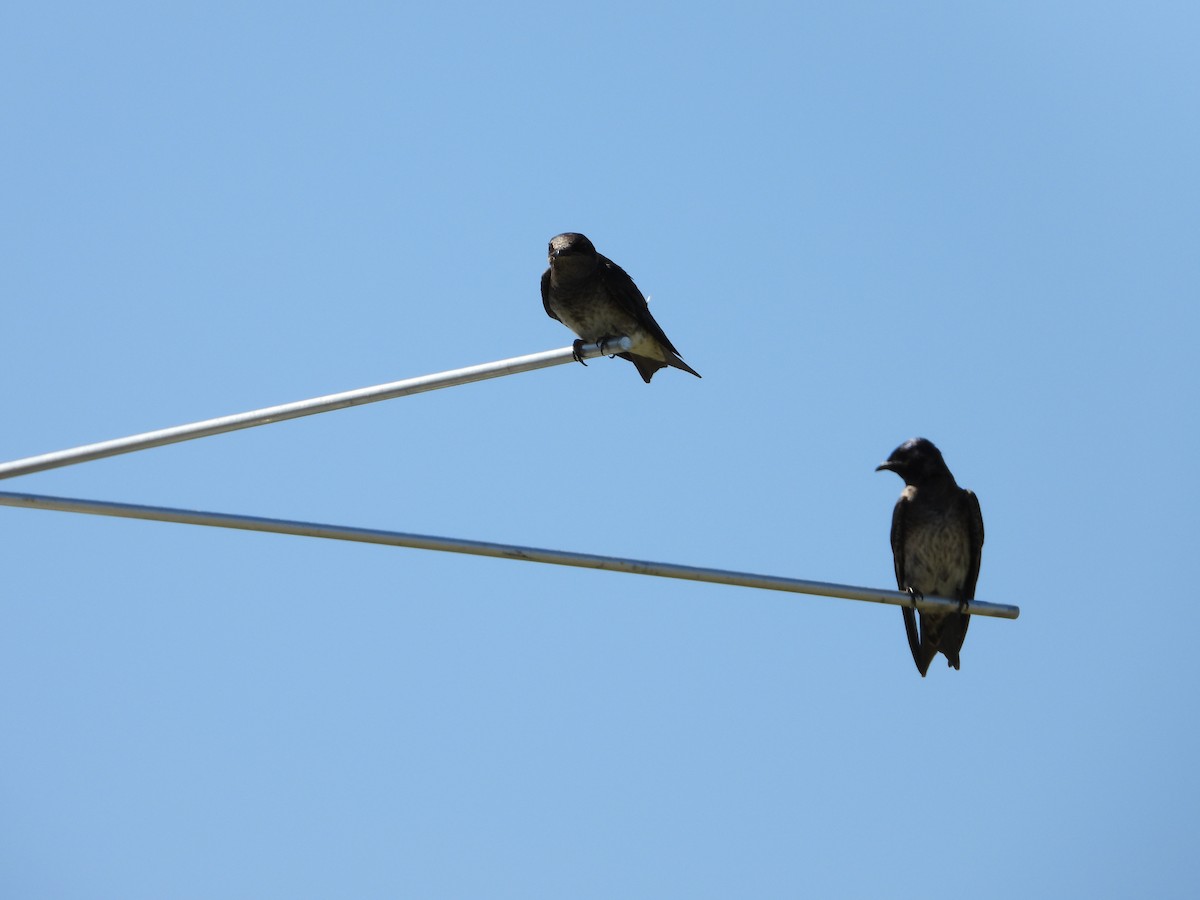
pixel 503 551
pixel 311 407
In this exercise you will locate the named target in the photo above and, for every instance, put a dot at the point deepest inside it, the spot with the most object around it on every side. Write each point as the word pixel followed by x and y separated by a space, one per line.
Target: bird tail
pixel 954 632
pixel 944 634
pixel 645 365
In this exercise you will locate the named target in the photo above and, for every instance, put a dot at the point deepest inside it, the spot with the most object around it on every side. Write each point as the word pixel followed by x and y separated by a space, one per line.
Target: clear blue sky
pixel 860 222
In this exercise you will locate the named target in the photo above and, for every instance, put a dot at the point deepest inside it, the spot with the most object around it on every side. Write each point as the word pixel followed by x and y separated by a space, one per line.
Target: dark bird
pixel 937 542
pixel 592 295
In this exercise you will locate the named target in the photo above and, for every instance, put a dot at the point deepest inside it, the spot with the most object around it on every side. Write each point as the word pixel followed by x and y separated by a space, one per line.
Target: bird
pixel 937 544
pixel 596 299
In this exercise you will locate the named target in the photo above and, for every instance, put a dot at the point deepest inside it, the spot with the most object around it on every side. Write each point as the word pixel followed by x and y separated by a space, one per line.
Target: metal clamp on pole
pixel 299 408
pixel 503 551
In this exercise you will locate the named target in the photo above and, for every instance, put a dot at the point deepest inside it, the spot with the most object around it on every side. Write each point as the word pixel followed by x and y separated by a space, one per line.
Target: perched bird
pixel 937 541
pixel 593 296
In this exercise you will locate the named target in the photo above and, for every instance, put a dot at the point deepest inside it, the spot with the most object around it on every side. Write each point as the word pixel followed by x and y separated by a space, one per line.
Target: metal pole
pixel 311 407
pixel 503 551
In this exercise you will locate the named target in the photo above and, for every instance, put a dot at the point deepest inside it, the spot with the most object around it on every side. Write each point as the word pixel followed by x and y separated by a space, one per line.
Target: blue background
pixel 860 223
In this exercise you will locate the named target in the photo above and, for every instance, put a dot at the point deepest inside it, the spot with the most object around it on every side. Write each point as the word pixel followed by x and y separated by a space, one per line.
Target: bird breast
pixel 937 557
pixel 593 316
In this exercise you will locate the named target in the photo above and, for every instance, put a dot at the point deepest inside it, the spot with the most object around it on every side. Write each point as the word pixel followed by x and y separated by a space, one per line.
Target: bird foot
pixel 914 595
pixel 577 347
pixel 962 609
pixel 603 344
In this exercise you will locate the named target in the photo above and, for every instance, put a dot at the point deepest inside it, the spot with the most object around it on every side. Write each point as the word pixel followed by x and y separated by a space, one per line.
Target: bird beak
pixel 889 466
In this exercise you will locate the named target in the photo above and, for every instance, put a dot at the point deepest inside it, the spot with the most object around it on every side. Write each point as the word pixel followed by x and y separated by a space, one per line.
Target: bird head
pixel 572 254
pixel 916 461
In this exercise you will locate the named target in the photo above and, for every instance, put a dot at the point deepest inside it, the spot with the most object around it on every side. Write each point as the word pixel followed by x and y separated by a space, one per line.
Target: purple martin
pixel 937 542
pixel 592 295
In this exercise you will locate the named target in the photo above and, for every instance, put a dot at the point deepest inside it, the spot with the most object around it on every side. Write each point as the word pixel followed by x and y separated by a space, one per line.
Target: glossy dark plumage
pixel 937 544
pixel 596 299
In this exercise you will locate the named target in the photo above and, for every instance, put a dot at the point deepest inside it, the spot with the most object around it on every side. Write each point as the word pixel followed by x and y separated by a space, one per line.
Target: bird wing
pixel 914 640
pixel 975 532
pixel 899 521
pixel 899 525
pixel 631 299
pixel 546 296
